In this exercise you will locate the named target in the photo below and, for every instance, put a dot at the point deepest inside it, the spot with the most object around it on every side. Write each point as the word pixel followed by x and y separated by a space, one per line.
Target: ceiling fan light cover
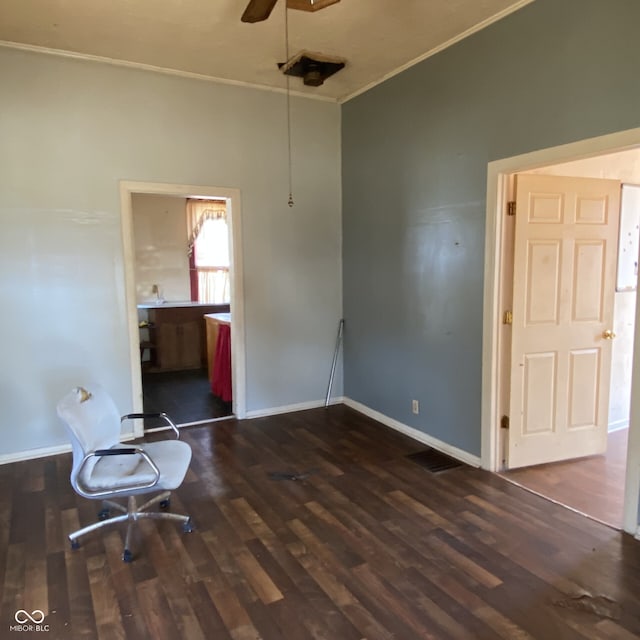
pixel 313 78
pixel 310 5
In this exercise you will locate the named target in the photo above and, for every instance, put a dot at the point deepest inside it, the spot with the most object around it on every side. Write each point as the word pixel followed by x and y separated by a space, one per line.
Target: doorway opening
pixel 584 156
pixel 182 274
pixel 591 484
pixel 177 304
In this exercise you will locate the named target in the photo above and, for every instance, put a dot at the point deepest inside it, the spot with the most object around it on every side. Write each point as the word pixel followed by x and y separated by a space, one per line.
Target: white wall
pixel 160 245
pixel 622 165
pixel 70 131
pixel 624 313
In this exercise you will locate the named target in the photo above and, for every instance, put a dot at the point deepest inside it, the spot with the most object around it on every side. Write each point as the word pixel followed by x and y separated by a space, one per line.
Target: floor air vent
pixel 287 475
pixel 434 461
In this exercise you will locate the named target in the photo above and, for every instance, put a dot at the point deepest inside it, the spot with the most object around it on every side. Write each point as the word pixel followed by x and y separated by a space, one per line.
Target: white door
pixel 563 293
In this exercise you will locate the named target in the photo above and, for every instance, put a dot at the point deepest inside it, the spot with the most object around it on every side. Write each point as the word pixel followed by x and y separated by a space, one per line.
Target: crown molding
pixel 62 53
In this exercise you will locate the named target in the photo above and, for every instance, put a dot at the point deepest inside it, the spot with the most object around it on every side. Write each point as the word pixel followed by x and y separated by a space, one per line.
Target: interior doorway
pixel 499 183
pixel 591 485
pixel 185 383
pixel 177 298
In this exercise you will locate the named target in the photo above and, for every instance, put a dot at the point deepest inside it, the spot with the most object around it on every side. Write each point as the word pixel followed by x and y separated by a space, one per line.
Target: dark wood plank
pixel 81 612
pixel 155 611
pixel 105 602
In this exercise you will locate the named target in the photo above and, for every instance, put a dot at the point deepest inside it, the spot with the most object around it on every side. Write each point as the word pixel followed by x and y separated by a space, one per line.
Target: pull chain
pixel 286 33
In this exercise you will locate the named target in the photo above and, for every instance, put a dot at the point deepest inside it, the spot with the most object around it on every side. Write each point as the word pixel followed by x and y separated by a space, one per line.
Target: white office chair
pixel 104 469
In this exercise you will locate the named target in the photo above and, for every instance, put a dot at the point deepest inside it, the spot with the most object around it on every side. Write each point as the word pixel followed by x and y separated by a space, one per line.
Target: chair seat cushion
pixel 172 458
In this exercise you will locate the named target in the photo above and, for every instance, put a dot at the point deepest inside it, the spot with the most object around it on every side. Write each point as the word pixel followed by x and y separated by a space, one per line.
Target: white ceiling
pixel 207 38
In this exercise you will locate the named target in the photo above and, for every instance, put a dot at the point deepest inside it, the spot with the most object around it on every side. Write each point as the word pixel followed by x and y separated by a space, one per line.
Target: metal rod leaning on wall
pixel 335 360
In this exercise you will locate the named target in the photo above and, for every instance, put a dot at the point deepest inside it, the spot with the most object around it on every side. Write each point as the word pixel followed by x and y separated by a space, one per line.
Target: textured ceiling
pixel 207 38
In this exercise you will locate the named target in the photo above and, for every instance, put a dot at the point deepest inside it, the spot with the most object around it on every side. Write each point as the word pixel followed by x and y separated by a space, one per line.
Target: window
pixel 208 242
pixel 211 258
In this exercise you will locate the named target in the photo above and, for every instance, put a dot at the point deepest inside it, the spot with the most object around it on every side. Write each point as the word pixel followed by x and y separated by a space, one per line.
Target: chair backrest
pixel 92 421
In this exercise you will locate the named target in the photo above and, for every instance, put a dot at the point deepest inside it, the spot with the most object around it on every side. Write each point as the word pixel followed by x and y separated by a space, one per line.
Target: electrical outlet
pixel 415 407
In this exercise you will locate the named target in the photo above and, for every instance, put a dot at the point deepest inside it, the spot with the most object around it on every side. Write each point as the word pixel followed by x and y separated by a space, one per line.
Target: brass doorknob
pixel 608 334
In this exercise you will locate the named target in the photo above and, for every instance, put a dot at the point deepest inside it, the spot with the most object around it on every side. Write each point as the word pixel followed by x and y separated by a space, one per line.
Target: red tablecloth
pixel 221 378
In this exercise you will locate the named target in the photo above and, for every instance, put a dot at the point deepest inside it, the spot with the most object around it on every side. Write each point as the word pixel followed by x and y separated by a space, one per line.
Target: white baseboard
pixel 420 436
pixel 290 408
pixel 45 452
pixel 618 425
pixel 32 454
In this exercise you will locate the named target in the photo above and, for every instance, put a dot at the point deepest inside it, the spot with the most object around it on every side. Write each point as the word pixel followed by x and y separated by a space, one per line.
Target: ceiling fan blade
pixel 258 10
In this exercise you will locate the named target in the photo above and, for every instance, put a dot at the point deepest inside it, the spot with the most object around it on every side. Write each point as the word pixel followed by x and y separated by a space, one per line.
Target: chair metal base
pixel 130 514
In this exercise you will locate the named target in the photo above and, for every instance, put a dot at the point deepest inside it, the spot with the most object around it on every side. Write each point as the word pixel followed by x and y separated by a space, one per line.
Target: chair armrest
pixel 163 416
pixel 85 492
pixel 129 451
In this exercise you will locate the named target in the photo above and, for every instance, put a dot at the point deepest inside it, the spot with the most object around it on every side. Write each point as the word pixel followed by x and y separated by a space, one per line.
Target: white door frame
pixel 238 368
pixel 498 176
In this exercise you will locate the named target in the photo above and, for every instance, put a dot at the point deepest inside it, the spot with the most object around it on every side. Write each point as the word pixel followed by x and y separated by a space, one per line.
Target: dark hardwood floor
pixel 315 525
pixel 593 486
pixel 184 395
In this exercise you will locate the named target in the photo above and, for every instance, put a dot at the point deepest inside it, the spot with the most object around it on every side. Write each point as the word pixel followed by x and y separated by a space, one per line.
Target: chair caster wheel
pixel 104 514
pixel 127 556
pixel 165 504
pixel 75 544
pixel 187 527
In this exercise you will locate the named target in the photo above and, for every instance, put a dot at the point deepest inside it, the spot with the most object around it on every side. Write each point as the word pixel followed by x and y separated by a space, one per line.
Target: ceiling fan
pixel 258 10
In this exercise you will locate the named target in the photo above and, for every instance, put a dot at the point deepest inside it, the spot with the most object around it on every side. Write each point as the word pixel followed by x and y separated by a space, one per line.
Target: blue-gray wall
pixel 415 153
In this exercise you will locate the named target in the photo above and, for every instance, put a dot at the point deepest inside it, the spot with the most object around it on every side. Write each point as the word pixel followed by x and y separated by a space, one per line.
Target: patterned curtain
pixel 197 212
pixel 208 284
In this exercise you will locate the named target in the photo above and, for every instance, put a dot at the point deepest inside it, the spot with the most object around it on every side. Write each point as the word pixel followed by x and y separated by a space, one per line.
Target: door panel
pixel 545 208
pixel 564 281
pixel 588 272
pixel 584 374
pixel 543 282
pixel 539 392
pixel 592 210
